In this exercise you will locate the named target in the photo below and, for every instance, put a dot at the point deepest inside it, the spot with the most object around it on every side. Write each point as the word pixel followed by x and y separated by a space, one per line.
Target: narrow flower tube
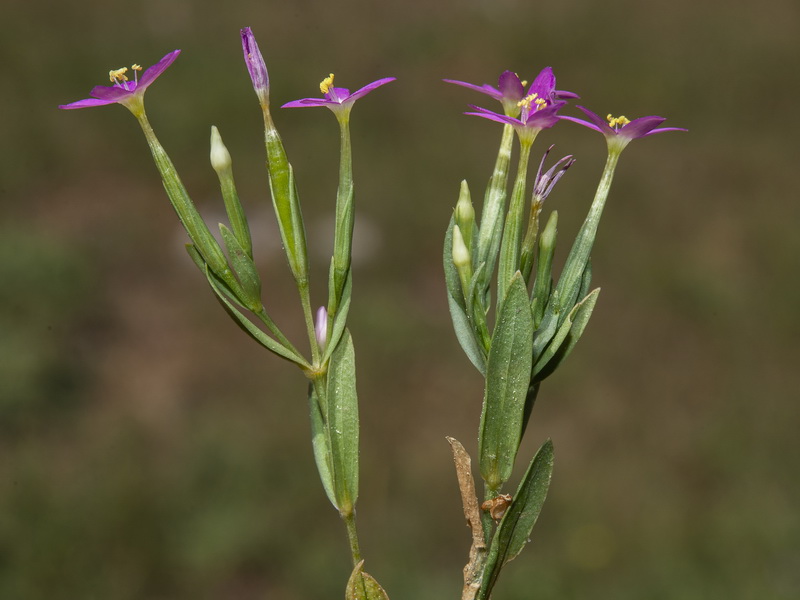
pixel 512 232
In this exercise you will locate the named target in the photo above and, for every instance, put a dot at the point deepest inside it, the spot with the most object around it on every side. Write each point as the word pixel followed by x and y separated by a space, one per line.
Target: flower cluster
pixel 538 109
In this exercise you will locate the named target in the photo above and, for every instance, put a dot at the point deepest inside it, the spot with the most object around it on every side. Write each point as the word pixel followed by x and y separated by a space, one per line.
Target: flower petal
pixel 600 123
pixel 510 86
pixel 305 102
pixel 544 84
pixel 368 88
pixel 493 116
pixel 88 103
pixel 113 93
pixel 483 89
pixel 640 127
pixel 663 129
pixel 152 73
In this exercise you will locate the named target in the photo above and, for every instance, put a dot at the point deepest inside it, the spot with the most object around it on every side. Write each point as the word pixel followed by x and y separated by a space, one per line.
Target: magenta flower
pixel 620 131
pixel 538 110
pixel 339 100
pixel 125 92
pixel 510 90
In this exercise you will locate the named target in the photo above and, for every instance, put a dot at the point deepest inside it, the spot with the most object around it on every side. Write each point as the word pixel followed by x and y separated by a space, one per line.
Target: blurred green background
pixel 149 450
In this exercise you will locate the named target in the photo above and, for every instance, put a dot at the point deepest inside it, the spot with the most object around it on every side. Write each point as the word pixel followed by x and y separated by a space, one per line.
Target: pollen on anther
pixel 136 67
pixel 115 75
pixel 619 121
pixel 326 84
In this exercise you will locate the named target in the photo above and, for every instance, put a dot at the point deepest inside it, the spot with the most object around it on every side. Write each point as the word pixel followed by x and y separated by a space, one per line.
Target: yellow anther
pixel 326 84
pixel 118 75
pixel 136 67
pixel 527 100
pixel 619 121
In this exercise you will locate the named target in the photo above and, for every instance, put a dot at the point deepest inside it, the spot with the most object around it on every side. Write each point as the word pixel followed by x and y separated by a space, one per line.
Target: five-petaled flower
pixel 510 90
pixel 537 110
pixel 339 100
pixel 123 91
pixel 620 131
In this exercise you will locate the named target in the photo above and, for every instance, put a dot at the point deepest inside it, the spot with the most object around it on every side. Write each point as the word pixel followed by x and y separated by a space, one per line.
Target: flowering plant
pixel 538 317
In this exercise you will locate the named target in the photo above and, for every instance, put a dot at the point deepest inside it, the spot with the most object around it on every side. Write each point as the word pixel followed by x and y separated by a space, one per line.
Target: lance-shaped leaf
pixel 508 373
pixel 342 423
pixel 363 586
pixel 515 528
pixel 465 333
pixel 245 270
pixel 248 327
pixel 568 335
pixel 320 442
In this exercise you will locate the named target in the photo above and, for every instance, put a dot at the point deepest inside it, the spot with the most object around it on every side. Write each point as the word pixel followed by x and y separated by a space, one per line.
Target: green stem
pixel 569 283
pixel 352 535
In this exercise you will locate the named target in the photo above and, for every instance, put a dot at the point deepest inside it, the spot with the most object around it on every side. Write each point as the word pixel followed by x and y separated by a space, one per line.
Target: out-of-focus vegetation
pixel 149 450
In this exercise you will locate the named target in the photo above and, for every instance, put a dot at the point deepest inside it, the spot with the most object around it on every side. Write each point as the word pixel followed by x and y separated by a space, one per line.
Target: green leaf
pixel 508 374
pixel 245 270
pixel 563 343
pixel 320 442
pixel 249 328
pixel 463 327
pixel 340 318
pixel 342 423
pixel 363 586
pixel 515 528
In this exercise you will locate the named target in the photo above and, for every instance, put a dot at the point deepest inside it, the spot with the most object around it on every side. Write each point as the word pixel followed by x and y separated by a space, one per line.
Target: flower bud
pixel 220 157
pixel 465 214
pixel 256 66
pixel 461 258
pixel 321 327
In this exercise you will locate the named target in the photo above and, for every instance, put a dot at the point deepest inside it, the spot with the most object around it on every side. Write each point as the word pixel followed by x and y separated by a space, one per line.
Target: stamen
pixel 534 99
pixel 617 122
pixel 326 84
pixel 118 75
pixel 136 68
pixel 527 100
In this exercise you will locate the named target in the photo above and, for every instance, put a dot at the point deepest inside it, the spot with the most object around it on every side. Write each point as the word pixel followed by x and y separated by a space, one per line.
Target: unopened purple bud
pixel 256 66
pixel 321 326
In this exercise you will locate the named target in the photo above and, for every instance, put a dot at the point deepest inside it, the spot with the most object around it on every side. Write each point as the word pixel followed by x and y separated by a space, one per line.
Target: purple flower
pixel 538 110
pixel 510 90
pixel 255 65
pixel 339 100
pixel 125 92
pixel 620 131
